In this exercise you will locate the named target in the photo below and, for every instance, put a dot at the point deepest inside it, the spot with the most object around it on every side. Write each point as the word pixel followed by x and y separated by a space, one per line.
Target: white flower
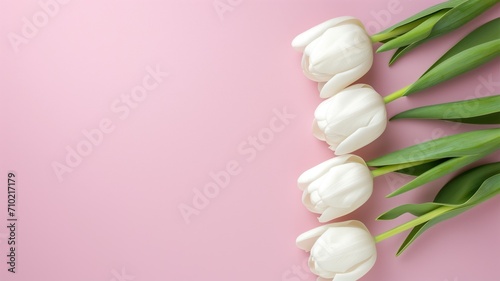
pixel 343 251
pixel 337 51
pixel 336 187
pixel 351 119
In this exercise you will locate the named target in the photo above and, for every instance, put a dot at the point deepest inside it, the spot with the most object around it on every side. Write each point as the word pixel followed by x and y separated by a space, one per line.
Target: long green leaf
pixel 456 14
pixel 468 188
pixel 483 34
pixel 414 209
pixel 475 49
pixel 418 33
pixel 493 118
pixel 464 186
pixel 484 110
pixel 468 143
pixel 425 13
pixel 488 189
pixel 418 230
pixel 403 50
pixel 462 192
pixel 461 14
pixel 438 171
pixel 456 65
pixel 420 169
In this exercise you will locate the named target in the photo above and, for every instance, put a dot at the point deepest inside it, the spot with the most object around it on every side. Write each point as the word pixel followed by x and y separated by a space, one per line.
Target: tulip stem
pixel 392 168
pixel 396 95
pixel 417 221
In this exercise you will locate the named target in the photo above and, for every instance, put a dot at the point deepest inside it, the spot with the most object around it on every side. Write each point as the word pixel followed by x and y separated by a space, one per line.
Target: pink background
pixel 116 215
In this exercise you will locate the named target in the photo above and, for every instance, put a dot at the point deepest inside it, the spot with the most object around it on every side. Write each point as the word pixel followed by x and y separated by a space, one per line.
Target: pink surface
pixel 232 77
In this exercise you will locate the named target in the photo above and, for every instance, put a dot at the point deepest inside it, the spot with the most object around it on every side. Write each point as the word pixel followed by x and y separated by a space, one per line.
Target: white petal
pixel 320 86
pixel 334 212
pixel 328 215
pixel 365 135
pixel 319 170
pixel 306 240
pixel 347 194
pixel 343 247
pixel 323 279
pixel 306 200
pixel 317 131
pixel 306 37
pixel 340 49
pixel 341 80
pixel 307 69
pixel 322 110
pixel 358 272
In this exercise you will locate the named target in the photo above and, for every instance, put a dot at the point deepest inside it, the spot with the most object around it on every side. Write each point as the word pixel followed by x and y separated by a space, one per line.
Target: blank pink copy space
pixel 162 140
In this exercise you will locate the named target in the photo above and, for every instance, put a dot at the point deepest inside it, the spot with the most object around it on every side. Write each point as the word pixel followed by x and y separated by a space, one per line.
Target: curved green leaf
pixel 478 47
pixel 416 34
pixel 414 209
pixel 460 15
pixel 403 50
pixel 493 118
pixel 453 15
pixel 483 34
pixel 487 190
pixel 440 170
pixel 464 186
pixel 425 13
pixel 484 110
pixel 468 143
pixel 457 64
pixel 418 230
pixel 420 169
pixel 461 193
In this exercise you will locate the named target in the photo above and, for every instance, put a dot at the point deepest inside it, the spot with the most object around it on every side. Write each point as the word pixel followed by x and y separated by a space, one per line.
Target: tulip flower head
pixel 336 187
pixel 343 251
pixel 336 52
pixel 351 119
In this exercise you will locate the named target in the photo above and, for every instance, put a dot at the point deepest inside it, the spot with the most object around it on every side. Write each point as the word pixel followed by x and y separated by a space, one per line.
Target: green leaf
pixel 455 193
pixel 403 50
pixel 438 171
pixel 466 189
pixel 414 209
pixel 423 14
pixel 468 143
pixel 461 14
pixel 454 14
pixel 469 181
pixel 418 230
pixel 493 118
pixel 420 169
pixel 416 34
pixel 459 195
pixel 475 49
pixel 475 111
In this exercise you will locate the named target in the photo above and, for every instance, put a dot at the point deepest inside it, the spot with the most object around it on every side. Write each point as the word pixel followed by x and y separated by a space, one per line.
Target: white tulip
pixel 343 251
pixel 351 119
pixel 337 51
pixel 336 187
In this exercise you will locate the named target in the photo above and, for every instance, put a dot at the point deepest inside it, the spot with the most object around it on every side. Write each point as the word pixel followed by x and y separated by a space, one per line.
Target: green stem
pixel 379 37
pixel 396 95
pixel 391 168
pixel 417 221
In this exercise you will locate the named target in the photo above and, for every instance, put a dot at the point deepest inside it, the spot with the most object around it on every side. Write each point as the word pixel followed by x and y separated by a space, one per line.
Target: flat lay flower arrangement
pixel 336 53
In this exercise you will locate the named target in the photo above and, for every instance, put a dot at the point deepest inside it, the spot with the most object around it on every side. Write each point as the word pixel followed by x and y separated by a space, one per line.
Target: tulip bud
pixel 351 119
pixel 338 52
pixel 336 187
pixel 343 251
